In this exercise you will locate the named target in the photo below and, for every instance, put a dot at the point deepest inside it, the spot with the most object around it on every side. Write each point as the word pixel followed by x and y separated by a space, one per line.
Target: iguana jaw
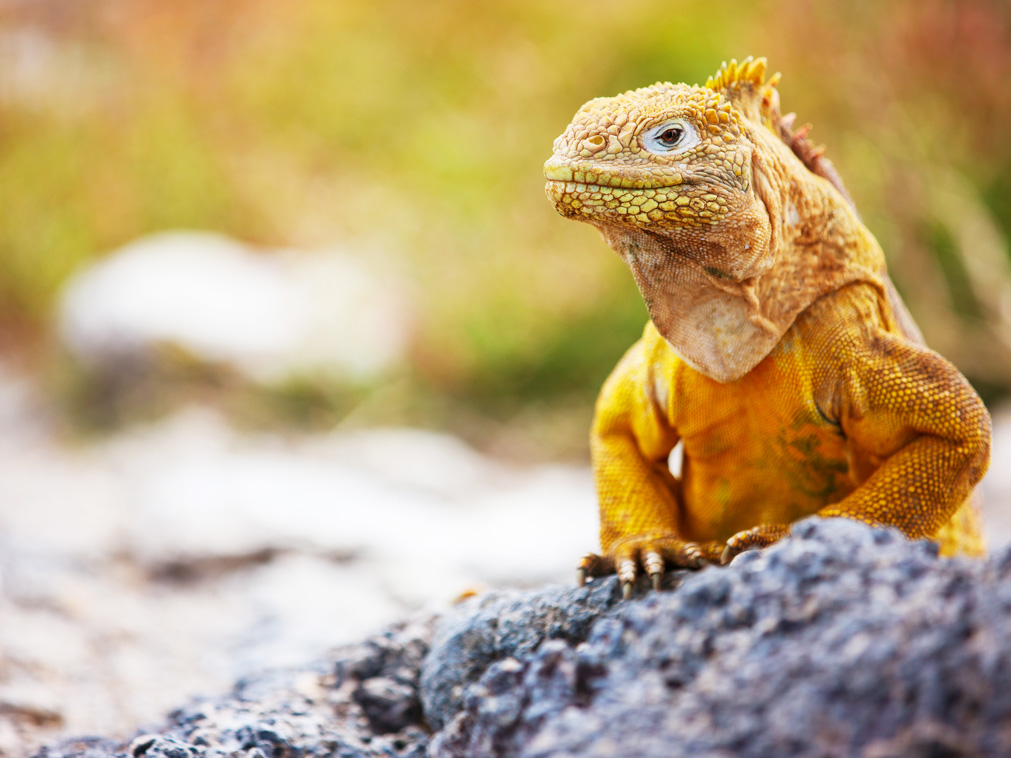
pixel 623 199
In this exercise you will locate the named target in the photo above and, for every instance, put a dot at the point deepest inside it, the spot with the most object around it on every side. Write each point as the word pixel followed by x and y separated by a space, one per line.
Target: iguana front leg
pixel 918 436
pixel 630 442
pixel 919 431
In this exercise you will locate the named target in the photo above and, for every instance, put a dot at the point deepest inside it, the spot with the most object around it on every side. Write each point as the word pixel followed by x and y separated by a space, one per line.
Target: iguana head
pixel 669 159
pixel 695 188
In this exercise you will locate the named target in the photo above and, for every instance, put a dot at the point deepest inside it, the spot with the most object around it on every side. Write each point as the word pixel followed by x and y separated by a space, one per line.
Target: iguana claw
pixel 654 555
pixel 626 571
pixel 654 565
pixel 760 536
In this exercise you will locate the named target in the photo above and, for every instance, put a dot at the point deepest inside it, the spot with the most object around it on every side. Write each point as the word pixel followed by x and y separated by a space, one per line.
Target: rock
pixel 843 640
pixel 176 557
pixel 269 317
pixel 363 703
pixel 83 747
pixel 202 494
pixel 995 489
pixel 507 625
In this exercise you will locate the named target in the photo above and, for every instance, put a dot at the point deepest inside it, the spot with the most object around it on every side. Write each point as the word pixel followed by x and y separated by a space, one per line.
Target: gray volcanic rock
pixel 843 640
pixel 502 625
pixel 363 704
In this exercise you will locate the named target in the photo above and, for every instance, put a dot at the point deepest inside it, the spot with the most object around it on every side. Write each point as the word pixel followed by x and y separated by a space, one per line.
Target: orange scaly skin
pixel 777 353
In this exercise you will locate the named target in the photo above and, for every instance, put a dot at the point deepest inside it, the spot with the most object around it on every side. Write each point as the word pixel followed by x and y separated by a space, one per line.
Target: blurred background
pixel 248 244
pixel 411 136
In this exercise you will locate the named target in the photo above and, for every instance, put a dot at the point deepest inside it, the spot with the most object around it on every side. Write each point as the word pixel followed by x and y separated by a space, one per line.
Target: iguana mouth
pixel 600 178
pixel 633 204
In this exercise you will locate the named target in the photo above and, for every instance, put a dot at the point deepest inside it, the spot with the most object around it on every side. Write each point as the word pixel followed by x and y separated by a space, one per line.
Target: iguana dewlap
pixel 777 351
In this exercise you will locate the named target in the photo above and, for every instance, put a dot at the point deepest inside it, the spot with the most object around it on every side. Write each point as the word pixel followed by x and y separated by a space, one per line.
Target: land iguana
pixel 777 352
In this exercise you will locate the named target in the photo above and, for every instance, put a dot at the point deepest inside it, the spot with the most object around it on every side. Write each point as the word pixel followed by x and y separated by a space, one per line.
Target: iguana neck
pixel 723 320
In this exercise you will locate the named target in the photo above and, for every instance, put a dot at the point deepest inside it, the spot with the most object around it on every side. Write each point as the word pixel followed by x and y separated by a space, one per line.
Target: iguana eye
pixel 672 136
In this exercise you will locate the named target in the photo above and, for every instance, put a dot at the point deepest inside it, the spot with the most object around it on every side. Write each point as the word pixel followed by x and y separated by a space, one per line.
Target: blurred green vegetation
pixel 419 129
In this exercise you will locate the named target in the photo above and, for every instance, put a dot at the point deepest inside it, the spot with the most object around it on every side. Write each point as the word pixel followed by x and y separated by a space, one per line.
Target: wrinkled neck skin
pixel 723 297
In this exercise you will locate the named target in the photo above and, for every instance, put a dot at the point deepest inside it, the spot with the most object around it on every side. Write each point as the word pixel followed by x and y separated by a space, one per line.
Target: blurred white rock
pixel 270 315
pixel 174 557
pixel 996 486
pixel 431 517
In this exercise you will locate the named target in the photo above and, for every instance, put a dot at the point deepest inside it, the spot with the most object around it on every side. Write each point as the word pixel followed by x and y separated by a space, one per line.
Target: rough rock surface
pixel 173 559
pixel 840 641
pixel 503 625
pixel 363 704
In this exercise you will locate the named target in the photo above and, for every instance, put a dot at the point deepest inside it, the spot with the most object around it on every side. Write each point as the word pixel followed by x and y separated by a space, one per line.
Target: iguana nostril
pixel 594 143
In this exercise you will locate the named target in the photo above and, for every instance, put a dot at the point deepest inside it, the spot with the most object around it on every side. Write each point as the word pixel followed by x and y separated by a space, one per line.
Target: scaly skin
pixel 777 352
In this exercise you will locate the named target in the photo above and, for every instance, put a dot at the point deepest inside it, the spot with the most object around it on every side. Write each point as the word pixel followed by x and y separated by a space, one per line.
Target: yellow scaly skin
pixel 777 352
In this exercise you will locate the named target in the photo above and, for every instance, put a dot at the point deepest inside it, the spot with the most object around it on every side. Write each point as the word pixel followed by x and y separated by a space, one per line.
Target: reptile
pixel 777 354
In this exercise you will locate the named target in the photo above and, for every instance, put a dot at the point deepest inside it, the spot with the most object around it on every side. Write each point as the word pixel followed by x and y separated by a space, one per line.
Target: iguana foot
pixel 654 554
pixel 760 536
